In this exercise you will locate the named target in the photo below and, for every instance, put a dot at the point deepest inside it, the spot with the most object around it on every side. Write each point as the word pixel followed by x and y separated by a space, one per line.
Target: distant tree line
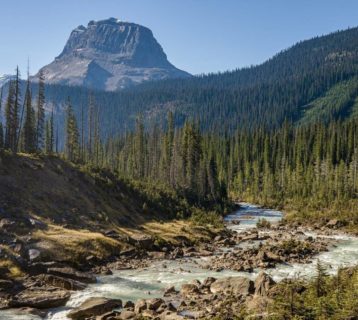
pixel 315 163
pixel 256 97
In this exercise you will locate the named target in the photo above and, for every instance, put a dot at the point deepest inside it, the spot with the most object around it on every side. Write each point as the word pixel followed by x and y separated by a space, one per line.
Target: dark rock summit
pixel 110 55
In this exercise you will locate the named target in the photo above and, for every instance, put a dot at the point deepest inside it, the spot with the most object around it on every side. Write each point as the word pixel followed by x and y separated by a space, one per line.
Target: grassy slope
pixel 77 205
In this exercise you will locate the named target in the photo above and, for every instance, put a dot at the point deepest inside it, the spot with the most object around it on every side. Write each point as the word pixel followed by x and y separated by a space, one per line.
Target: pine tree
pixel 90 127
pixel 320 279
pixel 29 132
pixel 11 127
pixel 213 181
pixel 72 138
pixel 16 121
pixel 1 124
pixel 40 125
pixel 49 142
pixel 1 136
pixel 139 148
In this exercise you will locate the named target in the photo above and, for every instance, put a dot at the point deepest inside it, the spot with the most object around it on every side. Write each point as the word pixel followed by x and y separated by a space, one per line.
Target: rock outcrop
pixel 110 55
pixel 94 307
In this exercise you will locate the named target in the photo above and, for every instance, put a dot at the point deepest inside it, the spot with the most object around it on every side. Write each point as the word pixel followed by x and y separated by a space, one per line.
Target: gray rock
pixel 239 286
pixel 40 299
pixel 63 283
pixel 73 274
pixel 110 55
pixel 94 307
pixel 189 289
pixel 169 291
pixel 6 285
pixel 142 241
pixel 128 305
pixel 263 284
pixel 126 315
pixel 140 306
pixel 34 254
pixel 154 304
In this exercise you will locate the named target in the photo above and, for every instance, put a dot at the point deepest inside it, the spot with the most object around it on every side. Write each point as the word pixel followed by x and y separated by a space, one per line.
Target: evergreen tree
pixel 16 122
pixel 1 124
pixel 49 142
pixel 29 132
pixel 11 119
pixel 72 137
pixel 40 124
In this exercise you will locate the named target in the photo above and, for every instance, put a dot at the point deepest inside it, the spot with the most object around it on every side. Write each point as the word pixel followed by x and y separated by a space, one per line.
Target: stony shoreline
pixel 49 284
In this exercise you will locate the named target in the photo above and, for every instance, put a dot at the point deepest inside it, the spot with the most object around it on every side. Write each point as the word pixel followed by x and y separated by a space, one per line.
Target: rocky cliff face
pixel 110 55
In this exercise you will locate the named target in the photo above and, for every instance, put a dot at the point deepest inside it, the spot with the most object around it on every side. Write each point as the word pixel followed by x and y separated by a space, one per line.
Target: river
pixel 151 281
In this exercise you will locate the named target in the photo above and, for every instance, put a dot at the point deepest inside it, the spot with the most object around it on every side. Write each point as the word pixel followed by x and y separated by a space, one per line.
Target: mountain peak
pixel 122 53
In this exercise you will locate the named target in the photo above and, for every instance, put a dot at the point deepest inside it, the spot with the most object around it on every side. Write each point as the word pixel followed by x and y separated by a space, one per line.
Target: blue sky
pixel 199 36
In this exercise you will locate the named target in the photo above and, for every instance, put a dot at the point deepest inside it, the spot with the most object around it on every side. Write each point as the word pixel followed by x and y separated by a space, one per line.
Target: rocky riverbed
pixel 238 267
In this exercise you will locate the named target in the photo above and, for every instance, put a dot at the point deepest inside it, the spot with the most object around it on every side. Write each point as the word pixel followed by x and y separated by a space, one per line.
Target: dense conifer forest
pixel 313 80
pixel 282 134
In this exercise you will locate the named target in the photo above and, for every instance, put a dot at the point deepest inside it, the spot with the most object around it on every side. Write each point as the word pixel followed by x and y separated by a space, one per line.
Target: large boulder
pixel 189 289
pixel 263 284
pixel 140 306
pixel 93 307
pixel 40 299
pixel 335 224
pixel 61 282
pixel 34 254
pixel 155 303
pixel 169 291
pixel 6 285
pixel 73 274
pixel 127 315
pixel 238 286
pixel 142 241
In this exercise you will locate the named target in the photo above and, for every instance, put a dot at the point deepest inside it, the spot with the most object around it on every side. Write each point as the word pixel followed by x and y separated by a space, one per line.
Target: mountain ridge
pixel 110 55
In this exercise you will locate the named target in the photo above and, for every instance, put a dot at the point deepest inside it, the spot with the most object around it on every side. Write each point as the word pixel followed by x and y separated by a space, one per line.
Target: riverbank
pixel 149 275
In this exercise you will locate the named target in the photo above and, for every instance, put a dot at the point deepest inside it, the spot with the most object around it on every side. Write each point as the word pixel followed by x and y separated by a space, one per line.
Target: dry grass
pixel 14 270
pixel 61 244
pixel 169 231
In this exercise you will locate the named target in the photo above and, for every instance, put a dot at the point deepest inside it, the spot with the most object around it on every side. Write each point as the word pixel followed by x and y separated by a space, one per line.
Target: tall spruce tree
pixel 17 103
pixel 40 120
pixel 29 131
pixel 1 124
pixel 72 137
pixel 50 139
pixel 11 124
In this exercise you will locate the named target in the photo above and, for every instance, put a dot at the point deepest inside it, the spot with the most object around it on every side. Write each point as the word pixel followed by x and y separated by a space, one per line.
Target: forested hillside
pixel 313 80
pixel 283 133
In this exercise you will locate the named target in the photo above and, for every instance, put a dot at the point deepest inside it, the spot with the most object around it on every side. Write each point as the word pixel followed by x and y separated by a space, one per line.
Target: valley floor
pixel 217 279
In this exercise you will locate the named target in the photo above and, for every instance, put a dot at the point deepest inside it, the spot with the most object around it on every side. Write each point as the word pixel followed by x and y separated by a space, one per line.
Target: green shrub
pixel 262 223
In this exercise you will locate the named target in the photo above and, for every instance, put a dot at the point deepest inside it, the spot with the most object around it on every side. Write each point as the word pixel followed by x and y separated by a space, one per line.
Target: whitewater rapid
pixel 151 281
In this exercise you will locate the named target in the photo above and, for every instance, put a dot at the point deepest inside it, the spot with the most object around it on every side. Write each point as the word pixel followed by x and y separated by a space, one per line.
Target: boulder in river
pixel 154 304
pixel 169 291
pixel 238 286
pixel 40 299
pixel 63 283
pixel 93 307
pixel 140 306
pixel 189 289
pixel 68 272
